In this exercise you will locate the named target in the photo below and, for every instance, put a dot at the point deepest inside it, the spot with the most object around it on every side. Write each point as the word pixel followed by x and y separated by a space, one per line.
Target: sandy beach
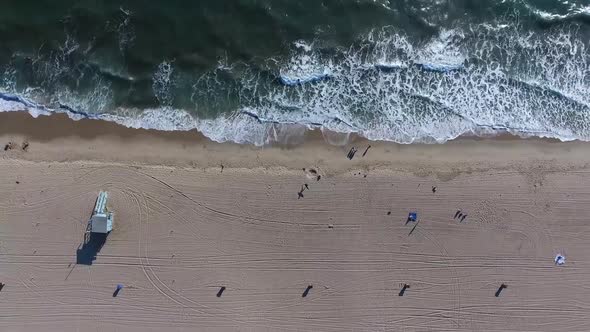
pixel 186 226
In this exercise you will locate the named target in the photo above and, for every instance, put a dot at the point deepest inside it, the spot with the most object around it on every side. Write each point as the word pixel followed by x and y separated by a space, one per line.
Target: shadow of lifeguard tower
pixel 98 228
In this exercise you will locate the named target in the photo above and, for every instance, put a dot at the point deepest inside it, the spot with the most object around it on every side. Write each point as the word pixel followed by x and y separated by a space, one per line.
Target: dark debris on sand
pixel 9 146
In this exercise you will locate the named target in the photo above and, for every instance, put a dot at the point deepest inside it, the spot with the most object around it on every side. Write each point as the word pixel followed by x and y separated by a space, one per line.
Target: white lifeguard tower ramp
pixel 101 220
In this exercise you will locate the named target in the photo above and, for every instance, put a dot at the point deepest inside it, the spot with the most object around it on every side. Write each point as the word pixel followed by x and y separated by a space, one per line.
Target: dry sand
pixel 184 229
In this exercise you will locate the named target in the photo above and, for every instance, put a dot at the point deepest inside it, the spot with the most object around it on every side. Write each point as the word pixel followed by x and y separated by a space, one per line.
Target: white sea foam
pixel 305 66
pixel 13 106
pixel 162 83
pixel 125 30
pixel 97 101
pixel 239 128
pixel 509 81
pixel 575 9
pixel 303 45
pixel 443 53
pixel 410 105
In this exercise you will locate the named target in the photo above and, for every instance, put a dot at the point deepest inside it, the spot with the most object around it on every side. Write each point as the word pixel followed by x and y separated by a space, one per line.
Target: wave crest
pixel 478 79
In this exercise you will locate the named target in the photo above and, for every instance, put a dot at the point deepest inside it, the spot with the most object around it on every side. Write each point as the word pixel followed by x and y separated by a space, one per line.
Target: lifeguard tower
pixel 101 220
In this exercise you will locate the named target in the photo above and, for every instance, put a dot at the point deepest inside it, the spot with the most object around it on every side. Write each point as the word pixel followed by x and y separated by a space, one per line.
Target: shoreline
pixel 59 138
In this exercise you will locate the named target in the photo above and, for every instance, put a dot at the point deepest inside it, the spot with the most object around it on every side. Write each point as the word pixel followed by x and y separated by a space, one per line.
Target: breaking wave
pixel 477 79
pixel 481 80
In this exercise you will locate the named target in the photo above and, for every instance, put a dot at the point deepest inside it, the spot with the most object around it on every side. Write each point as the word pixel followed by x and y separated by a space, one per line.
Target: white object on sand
pixel 102 219
pixel 559 259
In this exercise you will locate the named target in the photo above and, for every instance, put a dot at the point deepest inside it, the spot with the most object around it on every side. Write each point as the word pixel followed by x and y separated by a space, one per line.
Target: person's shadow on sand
pixel 117 290
pixel 403 290
pixel 221 290
pixel 500 289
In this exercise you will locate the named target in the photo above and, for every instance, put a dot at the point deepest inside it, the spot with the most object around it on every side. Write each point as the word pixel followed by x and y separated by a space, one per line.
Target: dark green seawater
pixel 257 71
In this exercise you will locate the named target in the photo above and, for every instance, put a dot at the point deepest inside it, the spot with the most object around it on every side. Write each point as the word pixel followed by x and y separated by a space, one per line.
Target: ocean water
pixel 263 71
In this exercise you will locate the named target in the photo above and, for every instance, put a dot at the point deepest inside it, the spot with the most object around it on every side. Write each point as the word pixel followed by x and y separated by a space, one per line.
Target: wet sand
pixel 184 229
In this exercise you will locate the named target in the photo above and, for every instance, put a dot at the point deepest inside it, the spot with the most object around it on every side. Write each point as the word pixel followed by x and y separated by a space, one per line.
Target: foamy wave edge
pixel 246 128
